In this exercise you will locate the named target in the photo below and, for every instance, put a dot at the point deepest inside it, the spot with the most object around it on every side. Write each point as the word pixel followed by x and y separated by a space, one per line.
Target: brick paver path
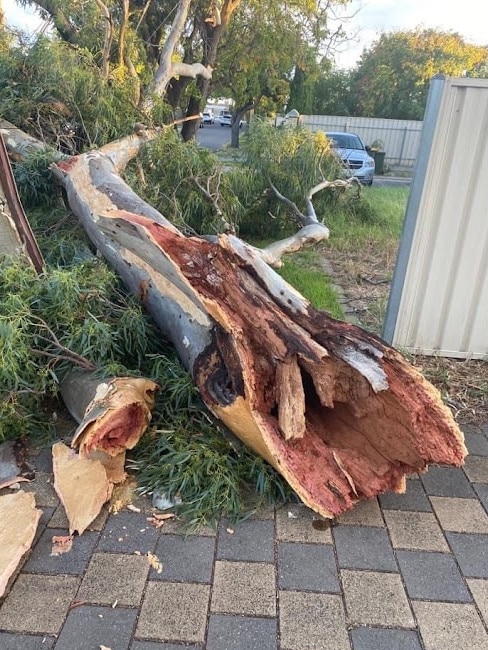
pixel 404 572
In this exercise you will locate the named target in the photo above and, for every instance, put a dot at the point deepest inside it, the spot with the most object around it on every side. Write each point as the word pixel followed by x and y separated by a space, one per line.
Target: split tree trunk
pixel 340 414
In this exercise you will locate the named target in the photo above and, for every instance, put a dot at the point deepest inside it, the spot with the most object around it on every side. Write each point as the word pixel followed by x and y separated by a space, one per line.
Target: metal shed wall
pixel 439 297
pixel 400 138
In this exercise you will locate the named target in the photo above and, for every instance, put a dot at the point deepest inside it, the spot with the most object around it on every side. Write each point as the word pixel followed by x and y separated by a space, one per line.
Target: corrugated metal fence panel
pixel 444 301
pixel 400 138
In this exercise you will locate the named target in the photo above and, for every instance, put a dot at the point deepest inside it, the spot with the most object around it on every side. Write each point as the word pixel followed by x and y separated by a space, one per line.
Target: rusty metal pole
pixel 15 214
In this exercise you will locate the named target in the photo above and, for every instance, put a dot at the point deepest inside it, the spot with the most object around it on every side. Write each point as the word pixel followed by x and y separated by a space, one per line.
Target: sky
pixel 371 17
pixel 18 17
pixel 364 20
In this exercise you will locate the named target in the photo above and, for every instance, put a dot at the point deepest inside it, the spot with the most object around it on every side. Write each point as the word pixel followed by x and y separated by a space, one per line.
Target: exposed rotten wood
pixel 112 414
pixel 370 418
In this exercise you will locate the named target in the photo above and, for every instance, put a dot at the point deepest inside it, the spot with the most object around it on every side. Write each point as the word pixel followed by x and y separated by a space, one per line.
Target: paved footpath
pixel 404 572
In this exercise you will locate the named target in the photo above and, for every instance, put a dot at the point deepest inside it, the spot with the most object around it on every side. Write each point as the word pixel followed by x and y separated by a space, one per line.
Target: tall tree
pixel 257 69
pixel 131 39
pixel 332 92
pixel 392 77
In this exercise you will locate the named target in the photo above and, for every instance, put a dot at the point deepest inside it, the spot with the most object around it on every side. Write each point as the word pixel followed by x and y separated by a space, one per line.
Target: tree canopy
pixel 233 41
pixel 392 77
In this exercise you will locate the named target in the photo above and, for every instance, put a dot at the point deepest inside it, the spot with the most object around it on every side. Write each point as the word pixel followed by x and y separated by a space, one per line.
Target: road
pixel 213 136
pixel 391 181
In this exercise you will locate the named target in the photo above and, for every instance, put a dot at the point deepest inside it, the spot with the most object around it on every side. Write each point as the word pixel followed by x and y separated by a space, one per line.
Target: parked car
pixel 354 157
pixel 225 119
pixel 208 116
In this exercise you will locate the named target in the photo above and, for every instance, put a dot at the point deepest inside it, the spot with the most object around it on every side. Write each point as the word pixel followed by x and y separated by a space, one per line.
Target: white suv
pixel 354 157
pixel 225 119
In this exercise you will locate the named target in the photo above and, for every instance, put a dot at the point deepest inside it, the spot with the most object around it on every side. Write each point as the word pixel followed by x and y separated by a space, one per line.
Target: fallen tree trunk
pixel 336 411
pixel 340 414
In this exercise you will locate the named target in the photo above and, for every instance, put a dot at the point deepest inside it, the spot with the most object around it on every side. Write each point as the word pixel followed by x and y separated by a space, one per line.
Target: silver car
pixel 352 152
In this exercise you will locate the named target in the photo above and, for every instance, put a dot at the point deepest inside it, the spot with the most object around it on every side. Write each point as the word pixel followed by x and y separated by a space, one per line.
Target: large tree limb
pixel 165 69
pixel 18 524
pixel 251 341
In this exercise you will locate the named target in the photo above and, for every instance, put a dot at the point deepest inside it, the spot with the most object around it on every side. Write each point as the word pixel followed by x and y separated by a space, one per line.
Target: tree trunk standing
pixel 212 28
pixel 239 116
pixel 197 100
pixel 235 132
pixel 341 415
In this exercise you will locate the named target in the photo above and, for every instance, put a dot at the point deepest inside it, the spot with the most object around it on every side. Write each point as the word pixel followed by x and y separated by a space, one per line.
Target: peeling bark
pixel 112 414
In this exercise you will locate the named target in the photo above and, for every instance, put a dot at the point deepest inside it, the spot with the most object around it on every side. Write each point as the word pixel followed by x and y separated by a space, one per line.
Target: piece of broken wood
pixel 13 481
pixel 82 486
pixel 18 524
pixel 114 465
pixel 154 562
pixel 61 544
pixel 157 520
pixel 13 467
pixel 116 415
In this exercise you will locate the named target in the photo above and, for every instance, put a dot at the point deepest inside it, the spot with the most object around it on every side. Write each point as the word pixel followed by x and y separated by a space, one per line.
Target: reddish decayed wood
pixel 117 416
pixel 356 442
pixel 370 418
pixel 291 399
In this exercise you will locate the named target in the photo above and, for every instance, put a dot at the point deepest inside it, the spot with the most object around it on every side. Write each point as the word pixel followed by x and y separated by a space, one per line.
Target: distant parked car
pixel 225 119
pixel 208 116
pixel 354 157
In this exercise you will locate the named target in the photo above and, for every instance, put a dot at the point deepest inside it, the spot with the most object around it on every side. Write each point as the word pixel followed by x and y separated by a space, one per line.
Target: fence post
pixel 432 109
pixel 402 145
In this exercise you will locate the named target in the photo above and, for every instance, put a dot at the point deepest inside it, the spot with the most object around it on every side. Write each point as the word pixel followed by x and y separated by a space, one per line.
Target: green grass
pixel 377 218
pixel 305 272
pixel 312 282
pixel 380 219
